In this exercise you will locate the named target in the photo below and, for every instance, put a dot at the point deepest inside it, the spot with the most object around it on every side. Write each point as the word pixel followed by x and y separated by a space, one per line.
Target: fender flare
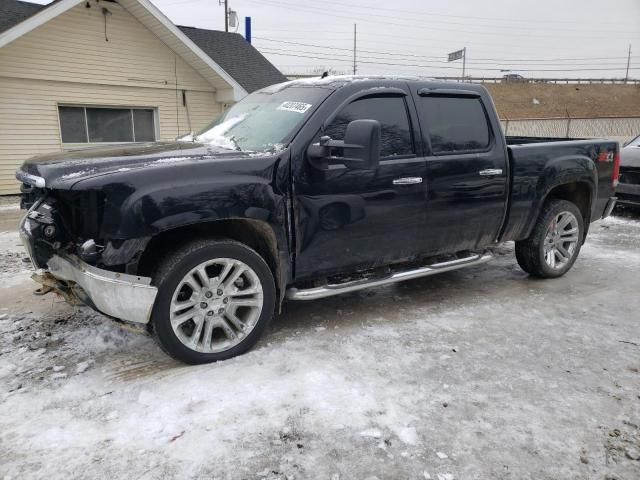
pixel 561 171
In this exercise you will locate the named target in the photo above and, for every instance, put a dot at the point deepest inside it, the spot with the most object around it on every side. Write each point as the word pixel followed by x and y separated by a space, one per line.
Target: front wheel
pixel 554 244
pixel 215 298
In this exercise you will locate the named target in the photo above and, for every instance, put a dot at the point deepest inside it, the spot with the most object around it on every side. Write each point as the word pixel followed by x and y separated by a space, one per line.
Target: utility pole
pixel 626 77
pixel 226 14
pixel 464 61
pixel 354 48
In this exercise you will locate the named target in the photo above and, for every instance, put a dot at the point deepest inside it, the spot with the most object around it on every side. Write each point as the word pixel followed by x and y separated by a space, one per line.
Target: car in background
pixel 513 78
pixel 628 191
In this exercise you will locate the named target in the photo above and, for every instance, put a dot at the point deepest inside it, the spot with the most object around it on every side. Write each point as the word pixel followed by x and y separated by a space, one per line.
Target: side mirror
pixel 359 150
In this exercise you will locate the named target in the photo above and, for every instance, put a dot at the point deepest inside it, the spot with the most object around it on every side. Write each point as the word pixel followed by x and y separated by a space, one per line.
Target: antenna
pixel 626 77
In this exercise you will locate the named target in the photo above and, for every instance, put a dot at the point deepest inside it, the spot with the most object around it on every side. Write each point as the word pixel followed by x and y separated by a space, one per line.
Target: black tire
pixel 172 270
pixel 530 252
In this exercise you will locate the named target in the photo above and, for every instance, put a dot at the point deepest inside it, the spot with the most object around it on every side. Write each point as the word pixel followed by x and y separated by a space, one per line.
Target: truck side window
pixel 455 124
pixel 395 136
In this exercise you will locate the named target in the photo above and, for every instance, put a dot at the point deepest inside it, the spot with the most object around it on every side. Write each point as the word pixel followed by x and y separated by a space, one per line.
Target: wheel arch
pixel 573 179
pixel 256 234
pixel 579 193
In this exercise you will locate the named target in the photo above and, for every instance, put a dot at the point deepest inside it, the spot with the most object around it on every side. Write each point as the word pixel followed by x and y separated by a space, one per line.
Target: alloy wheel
pixel 216 305
pixel 561 240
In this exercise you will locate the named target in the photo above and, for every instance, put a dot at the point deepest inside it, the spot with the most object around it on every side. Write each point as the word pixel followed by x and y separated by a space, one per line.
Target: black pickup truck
pixel 304 190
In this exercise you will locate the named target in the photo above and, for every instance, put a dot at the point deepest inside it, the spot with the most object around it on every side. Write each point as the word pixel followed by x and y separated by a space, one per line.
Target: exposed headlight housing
pixel 29 179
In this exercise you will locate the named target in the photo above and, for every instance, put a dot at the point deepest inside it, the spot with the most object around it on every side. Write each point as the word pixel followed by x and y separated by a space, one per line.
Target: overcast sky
pixel 551 38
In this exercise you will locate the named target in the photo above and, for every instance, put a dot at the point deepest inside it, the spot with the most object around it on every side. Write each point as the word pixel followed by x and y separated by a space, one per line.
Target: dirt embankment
pixel 527 100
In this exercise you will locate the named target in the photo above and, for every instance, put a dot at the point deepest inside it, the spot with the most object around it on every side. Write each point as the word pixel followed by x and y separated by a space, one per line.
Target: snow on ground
pixel 482 373
pixel 12 268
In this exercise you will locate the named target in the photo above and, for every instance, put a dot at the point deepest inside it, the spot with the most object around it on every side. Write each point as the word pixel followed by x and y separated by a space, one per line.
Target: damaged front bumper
pixel 126 297
pixel 118 295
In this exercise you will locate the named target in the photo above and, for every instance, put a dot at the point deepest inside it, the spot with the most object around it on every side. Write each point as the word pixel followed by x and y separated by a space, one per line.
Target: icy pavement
pixel 482 373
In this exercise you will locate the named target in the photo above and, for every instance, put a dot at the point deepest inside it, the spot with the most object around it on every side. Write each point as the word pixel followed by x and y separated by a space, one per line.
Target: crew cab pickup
pixel 300 191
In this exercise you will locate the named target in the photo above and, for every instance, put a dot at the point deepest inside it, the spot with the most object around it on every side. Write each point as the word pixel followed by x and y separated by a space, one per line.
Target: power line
pixel 431 15
pixel 429 49
pixel 385 21
pixel 377 34
pixel 284 53
pixel 473 63
pixel 480 63
pixel 440 57
pixel 545 22
pixel 510 49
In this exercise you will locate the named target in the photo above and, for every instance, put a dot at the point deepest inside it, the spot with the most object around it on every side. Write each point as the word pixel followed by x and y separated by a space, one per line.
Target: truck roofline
pixel 335 82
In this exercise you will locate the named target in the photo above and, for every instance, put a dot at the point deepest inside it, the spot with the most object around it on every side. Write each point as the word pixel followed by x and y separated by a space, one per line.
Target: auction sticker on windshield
pixel 299 107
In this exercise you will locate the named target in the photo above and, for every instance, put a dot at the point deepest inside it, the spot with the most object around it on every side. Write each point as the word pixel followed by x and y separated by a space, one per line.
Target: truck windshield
pixel 264 121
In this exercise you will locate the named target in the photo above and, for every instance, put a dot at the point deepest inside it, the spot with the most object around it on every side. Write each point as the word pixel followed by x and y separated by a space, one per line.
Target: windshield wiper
pixel 236 145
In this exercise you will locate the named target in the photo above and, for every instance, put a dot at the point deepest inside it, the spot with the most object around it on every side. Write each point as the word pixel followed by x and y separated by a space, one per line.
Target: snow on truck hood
pixel 64 169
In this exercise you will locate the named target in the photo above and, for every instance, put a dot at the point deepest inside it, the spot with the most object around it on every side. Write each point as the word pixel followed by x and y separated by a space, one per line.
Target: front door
pixel 348 219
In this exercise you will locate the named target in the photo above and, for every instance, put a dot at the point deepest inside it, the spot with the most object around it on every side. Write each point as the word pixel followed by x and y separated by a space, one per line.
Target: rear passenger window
pixel 391 112
pixel 455 124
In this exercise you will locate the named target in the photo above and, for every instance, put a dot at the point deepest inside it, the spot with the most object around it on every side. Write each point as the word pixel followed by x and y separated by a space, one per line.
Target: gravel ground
pixel 481 373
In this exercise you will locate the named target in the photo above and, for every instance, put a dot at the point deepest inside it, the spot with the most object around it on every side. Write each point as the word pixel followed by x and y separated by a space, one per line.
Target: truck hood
pixel 64 169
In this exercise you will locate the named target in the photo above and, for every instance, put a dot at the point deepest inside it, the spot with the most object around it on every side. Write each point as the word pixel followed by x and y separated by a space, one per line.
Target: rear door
pixel 466 170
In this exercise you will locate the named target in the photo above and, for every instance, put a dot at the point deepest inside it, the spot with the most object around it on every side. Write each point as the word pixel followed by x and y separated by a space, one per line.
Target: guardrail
pixel 602 81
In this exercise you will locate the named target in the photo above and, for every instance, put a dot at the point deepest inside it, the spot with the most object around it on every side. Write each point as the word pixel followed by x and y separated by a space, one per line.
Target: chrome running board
pixel 336 289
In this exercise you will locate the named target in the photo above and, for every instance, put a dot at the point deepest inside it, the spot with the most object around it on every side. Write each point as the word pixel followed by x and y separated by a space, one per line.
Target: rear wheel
pixel 554 244
pixel 215 298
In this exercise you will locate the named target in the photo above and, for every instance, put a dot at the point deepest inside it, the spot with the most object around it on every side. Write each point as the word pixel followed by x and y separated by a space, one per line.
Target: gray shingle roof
pixel 12 12
pixel 237 57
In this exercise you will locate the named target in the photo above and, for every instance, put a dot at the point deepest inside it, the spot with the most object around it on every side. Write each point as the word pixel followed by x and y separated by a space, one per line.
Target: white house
pixel 76 73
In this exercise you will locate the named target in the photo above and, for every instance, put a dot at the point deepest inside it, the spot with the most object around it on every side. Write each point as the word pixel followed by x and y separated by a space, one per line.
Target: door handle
pixel 490 172
pixel 407 181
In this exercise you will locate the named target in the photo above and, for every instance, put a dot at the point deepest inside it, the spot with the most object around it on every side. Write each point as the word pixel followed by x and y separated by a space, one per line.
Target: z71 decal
pixel 606 157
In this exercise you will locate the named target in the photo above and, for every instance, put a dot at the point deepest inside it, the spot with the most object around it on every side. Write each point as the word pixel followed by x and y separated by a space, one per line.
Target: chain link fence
pixel 620 129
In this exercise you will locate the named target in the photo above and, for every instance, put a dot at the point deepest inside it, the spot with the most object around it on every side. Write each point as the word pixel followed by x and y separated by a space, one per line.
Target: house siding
pixel 68 61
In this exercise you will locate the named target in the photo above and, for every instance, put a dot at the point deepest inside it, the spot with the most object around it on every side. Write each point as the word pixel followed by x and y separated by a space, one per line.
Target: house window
pixel 106 125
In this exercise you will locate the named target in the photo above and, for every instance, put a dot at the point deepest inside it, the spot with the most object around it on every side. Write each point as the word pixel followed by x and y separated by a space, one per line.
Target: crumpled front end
pixel 54 253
